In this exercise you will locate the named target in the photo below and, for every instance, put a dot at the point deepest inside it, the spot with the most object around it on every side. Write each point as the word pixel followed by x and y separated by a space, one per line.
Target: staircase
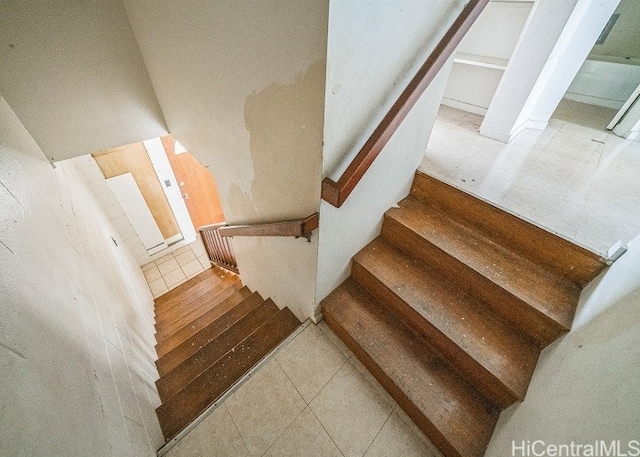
pixel 451 305
pixel 210 331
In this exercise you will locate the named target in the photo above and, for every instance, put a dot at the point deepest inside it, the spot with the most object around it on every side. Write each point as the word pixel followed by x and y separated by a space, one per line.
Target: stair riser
pixel 169 329
pixel 187 348
pixel 169 326
pixel 192 287
pixel 423 423
pixel 183 408
pixel 492 387
pixel 196 297
pixel 538 327
pixel 171 383
pixel 542 247
pixel 186 332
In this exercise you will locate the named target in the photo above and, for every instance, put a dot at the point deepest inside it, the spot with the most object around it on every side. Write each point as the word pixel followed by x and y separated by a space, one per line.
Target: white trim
pixel 464 106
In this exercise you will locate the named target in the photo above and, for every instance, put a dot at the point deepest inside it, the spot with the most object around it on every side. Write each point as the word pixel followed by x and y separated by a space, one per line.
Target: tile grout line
pixel 248 375
pixel 586 200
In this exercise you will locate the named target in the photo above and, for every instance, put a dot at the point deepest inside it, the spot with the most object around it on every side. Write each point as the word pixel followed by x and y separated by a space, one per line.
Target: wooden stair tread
pixel 452 414
pixel 447 316
pixel 191 312
pixel 210 332
pixel 194 398
pixel 535 243
pixel 172 382
pixel 206 275
pixel 193 327
pixel 550 294
pixel 203 288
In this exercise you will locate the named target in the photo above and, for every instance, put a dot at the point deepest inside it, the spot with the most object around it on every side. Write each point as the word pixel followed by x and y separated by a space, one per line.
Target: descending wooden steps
pixel 210 332
pixel 451 305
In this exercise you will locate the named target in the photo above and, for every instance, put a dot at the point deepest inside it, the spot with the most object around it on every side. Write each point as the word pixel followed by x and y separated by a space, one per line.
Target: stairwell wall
pixel 374 49
pixel 585 387
pixel 76 332
pixel 241 86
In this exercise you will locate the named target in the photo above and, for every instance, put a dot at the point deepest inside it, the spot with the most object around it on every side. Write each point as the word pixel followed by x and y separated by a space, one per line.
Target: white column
pixel 554 43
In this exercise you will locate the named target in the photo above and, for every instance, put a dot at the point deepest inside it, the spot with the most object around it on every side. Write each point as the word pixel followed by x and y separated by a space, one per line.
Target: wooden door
pixel 198 187
pixel 133 158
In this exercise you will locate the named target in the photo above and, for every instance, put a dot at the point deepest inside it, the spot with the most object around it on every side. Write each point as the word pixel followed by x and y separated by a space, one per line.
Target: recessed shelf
pixel 481 61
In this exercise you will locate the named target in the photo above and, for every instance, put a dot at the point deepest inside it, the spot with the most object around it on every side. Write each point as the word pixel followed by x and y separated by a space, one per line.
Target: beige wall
pixel 76 333
pixel 624 39
pixel 373 50
pixel 585 387
pixel 73 73
pixel 241 85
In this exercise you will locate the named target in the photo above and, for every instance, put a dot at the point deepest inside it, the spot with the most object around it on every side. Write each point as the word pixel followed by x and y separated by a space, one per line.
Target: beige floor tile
pixel 181 250
pixel 417 432
pixel 451 113
pixel 334 338
pixel 158 286
pixel 396 438
pixel 198 248
pixel 185 257
pixel 264 407
pixel 304 437
pixel 444 155
pixel 149 266
pixel 351 411
pixel 174 277
pixel 204 261
pixel 373 382
pixel 168 266
pixel 192 268
pixel 310 360
pixel 216 436
pixel 152 274
pixel 164 258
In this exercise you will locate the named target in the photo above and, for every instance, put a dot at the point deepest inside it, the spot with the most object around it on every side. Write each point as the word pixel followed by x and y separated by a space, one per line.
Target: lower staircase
pixel 210 332
pixel 451 305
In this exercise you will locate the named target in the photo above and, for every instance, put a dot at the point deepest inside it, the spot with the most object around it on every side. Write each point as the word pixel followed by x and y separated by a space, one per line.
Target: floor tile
pixel 192 268
pixel 310 360
pixel 304 437
pixel 396 438
pixel 204 261
pixel 185 257
pixel 157 286
pixel 152 274
pixel 264 407
pixel 216 435
pixel 149 266
pixel 168 266
pixel 334 338
pixel 351 411
pixel 174 277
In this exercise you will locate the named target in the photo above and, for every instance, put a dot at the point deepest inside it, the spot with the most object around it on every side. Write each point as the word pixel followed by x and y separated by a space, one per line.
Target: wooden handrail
pixel 297 228
pixel 336 193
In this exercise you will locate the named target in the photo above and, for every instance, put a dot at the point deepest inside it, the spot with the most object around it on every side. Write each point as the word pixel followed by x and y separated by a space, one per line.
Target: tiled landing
pixel 574 178
pixel 314 398
pixel 171 270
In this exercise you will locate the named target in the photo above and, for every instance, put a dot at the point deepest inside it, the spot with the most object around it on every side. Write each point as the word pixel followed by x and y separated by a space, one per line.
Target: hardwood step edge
pixel 500 386
pixel 171 383
pixel 208 332
pixel 248 375
pixel 172 428
pixel 527 319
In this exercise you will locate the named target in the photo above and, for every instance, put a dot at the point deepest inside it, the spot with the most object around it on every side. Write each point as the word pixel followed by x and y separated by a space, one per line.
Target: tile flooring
pixel 173 269
pixel 314 398
pixel 574 178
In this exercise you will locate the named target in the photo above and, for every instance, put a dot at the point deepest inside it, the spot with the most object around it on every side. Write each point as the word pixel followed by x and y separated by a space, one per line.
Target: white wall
pixel 555 42
pixel 373 50
pixel 585 387
pixel 73 73
pixel 624 39
pixel 541 32
pixel 605 83
pixel 76 334
pixel 241 85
